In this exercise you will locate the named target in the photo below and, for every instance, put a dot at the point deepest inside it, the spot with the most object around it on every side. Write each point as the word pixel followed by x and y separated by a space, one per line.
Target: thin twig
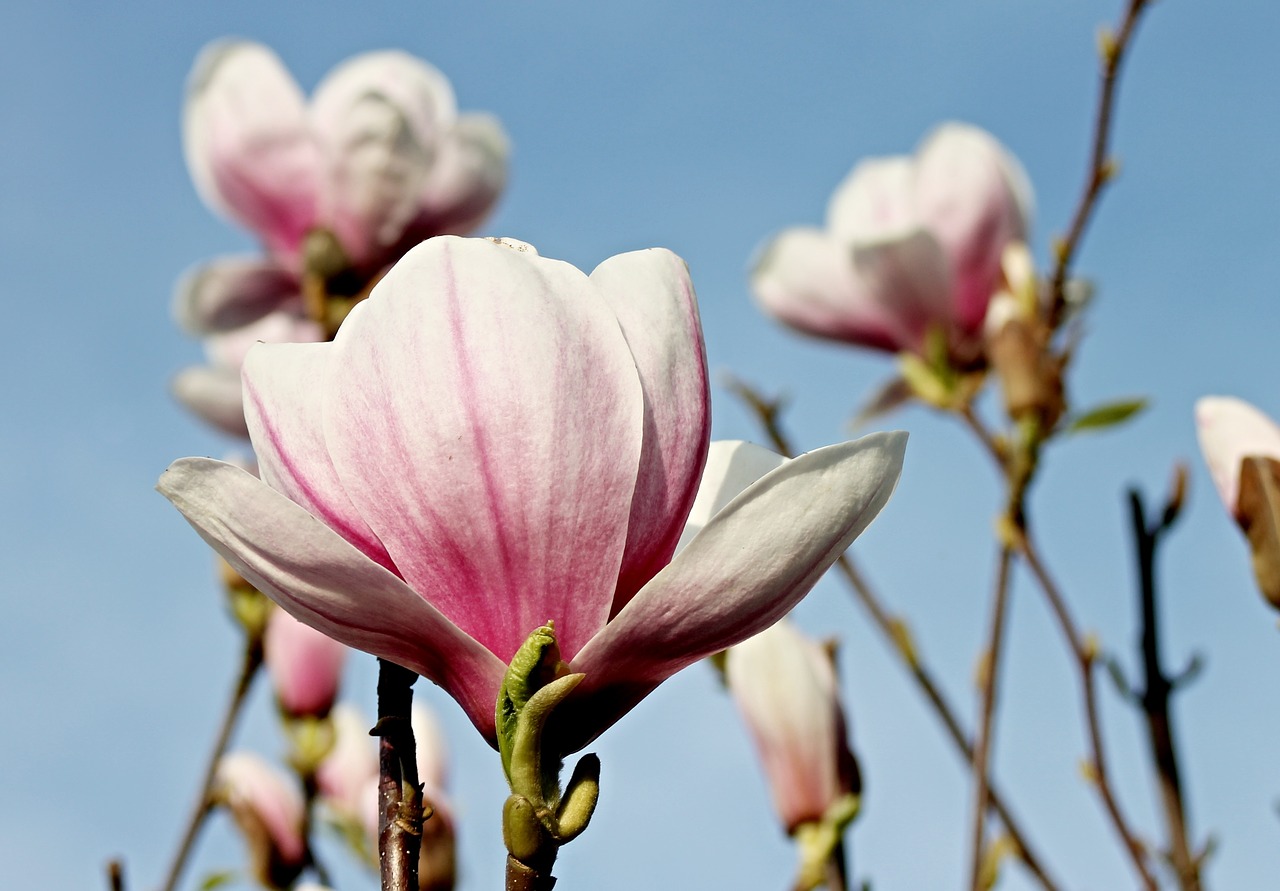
pixel 990 689
pixel 1100 169
pixel 249 665
pixel 1156 697
pixel 399 793
pixel 891 629
pixel 1085 656
pixel 115 874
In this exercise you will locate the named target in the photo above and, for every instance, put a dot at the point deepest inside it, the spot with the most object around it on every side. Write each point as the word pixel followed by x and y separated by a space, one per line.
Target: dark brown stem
pixel 1156 697
pixel 310 793
pixel 1085 657
pixel 521 877
pixel 1100 170
pixel 115 875
pixel 990 690
pixel 838 868
pixel 249 665
pixel 892 630
pixel 399 792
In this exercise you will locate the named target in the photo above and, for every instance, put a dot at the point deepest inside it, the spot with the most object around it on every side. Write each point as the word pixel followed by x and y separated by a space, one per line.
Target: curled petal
pixel 379 118
pixel 230 293
pixel 305 567
pixel 248 145
pixel 213 395
pixel 484 416
pixel 806 279
pixel 746 569
pixel 974 197
pixel 1231 429
pixel 653 297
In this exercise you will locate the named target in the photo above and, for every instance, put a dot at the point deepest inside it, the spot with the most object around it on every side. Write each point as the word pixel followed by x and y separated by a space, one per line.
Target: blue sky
pixel 703 128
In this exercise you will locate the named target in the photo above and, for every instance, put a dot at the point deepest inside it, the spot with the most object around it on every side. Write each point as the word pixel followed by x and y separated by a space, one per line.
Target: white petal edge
pixel 1229 430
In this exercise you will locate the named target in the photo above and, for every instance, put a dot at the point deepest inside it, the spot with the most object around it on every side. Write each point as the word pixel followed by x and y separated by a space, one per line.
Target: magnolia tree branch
pixel 990 673
pixel 1156 698
pixel 115 875
pixel 399 792
pixel 894 631
pixel 1112 47
pixel 250 662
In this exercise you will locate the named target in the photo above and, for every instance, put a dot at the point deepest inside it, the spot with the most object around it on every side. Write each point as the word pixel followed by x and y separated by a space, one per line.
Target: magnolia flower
pixel 785 686
pixel 1231 430
pixel 912 244
pixel 378 161
pixel 268 809
pixel 495 440
pixel 305 666
pixel 350 765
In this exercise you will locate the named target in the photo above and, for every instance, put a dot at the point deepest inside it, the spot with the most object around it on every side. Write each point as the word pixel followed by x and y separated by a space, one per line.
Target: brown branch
pixel 892 630
pixel 249 665
pixel 115 874
pixel 1101 169
pixel 1085 656
pixel 990 688
pixel 399 792
pixel 1155 700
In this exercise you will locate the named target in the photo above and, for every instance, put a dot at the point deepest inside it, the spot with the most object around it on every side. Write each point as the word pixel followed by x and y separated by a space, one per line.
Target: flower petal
pixel 230 292
pixel 653 297
pixel 909 278
pixel 975 198
pixel 282 407
pixel 213 394
pixel 304 566
pixel 247 143
pixel 484 415
pixel 746 569
pixel 874 202
pixel 732 465
pixel 805 279
pixel 464 183
pixel 305 665
pixel 1231 429
pixel 379 119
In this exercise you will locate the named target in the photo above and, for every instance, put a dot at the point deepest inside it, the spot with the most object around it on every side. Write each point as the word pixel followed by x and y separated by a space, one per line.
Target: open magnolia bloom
pixel 340 187
pixel 911 245
pixel 495 440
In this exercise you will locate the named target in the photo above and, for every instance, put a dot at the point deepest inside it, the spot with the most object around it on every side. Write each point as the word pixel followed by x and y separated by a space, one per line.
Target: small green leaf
pixel 1106 415
pixel 218 879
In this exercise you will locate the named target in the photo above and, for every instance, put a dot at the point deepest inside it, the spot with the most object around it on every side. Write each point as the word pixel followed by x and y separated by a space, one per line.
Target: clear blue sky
pixel 702 127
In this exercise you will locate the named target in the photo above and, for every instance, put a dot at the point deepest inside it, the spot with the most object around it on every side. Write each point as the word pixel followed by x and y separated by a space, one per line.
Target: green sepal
pixel 534 665
pixel 579 801
pixel 1106 415
pixel 532 772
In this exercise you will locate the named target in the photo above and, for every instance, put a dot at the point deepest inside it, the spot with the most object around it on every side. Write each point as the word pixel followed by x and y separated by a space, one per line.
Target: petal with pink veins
pixel 484 415
pixel 653 297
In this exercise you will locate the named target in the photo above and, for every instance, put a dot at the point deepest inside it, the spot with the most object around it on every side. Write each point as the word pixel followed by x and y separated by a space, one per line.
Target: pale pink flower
pixel 495 440
pixel 1230 430
pixel 267 807
pixel 305 666
pixel 911 244
pixel 786 689
pixel 381 159
pixel 350 765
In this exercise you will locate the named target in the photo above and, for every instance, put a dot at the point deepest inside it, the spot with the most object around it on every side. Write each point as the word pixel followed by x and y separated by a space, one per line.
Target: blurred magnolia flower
pixel 911 245
pixel 305 666
pixel 350 765
pixel 495 440
pixel 268 810
pixel 339 188
pixel 785 687
pixel 1241 445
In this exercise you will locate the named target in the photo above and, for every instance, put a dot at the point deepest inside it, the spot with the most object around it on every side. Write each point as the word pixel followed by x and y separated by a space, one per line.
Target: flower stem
pixel 399 792
pixel 249 665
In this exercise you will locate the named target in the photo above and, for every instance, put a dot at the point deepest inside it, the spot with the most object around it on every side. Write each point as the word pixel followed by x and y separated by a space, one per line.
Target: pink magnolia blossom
pixel 495 440
pixel 305 666
pixel 785 686
pixel 1230 430
pixel 268 809
pixel 911 244
pixel 380 159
